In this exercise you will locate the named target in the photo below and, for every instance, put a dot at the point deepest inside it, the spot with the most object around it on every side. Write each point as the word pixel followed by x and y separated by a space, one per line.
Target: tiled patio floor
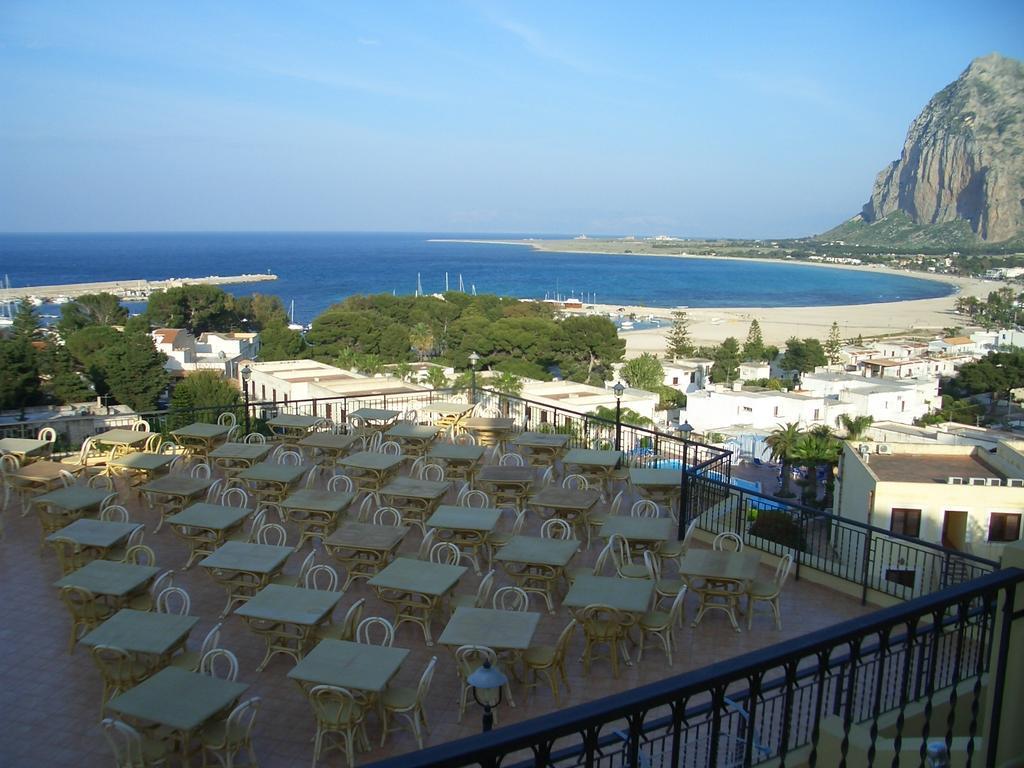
pixel 50 700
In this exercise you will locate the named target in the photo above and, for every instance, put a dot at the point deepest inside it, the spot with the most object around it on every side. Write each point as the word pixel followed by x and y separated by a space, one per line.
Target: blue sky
pixel 699 119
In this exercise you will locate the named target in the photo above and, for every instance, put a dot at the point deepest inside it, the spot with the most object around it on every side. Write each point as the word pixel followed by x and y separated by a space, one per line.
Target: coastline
pixel 712 325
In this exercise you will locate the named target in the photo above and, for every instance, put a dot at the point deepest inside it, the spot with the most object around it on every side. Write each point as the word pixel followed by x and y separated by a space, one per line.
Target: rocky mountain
pixel 962 166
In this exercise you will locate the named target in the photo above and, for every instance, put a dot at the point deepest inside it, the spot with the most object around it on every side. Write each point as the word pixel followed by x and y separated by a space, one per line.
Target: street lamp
pixel 618 389
pixel 487 682
pixel 686 429
pixel 474 358
pixel 246 375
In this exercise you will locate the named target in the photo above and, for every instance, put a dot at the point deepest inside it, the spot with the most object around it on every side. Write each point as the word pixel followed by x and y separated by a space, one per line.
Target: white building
pixel 586 398
pixel 1010 338
pixel 219 352
pixel 954 345
pixel 688 375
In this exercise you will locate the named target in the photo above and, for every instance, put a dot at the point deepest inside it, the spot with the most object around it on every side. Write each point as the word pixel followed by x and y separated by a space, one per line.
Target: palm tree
pixel 436 378
pixel 814 449
pixel 782 442
pixel 421 338
pixel 854 426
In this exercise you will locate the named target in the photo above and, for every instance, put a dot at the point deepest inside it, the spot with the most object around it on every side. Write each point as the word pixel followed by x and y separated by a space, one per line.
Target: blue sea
pixel 316 270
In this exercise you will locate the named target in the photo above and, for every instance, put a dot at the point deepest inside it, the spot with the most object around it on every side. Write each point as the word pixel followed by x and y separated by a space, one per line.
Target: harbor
pixel 129 290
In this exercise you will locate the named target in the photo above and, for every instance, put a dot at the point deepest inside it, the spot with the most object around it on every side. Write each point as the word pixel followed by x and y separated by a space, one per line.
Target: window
pixel 905 577
pixel 675 380
pixel 263 389
pixel 775 411
pixel 906 522
pixel 817 414
pixel 1003 526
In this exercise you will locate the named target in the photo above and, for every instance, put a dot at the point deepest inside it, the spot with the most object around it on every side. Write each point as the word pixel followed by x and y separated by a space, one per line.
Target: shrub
pixel 779 527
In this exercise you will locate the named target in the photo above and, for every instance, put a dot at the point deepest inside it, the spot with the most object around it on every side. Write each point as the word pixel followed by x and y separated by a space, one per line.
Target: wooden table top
pixel 177 698
pixel 308 499
pixel 122 437
pixel 629 595
pixel 270 472
pixel 23 445
pixel 465 518
pixel 42 471
pixel 178 485
pixel 409 488
pixel 213 517
pixel 244 556
pixel 73 499
pixel 413 431
pixel 585 457
pixel 146 462
pixel 707 563
pixel 291 605
pixel 377 462
pixel 446 408
pixel 294 421
pixel 453 452
pixel 538 551
pixel 104 577
pixel 202 431
pixel 350 665
pixel 141 631
pixel 655 478
pixel 418 576
pixel 380 538
pixel 242 451
pixel 495 424
pixel 331 441
pixel 639 528
pixel 507 474
pixel 500 630
pixel 87 532
pixel 375 414
pixel 576 499
pixel 541 440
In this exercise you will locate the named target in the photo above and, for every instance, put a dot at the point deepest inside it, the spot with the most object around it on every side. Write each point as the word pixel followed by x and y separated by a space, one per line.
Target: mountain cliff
pixel 962 166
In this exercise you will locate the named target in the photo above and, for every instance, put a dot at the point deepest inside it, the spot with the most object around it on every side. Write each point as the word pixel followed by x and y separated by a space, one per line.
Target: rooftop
pixel 928 467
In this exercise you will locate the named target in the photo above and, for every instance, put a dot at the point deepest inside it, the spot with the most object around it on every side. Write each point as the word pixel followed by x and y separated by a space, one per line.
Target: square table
pixel 199 437
pixel 460 461
pixel 442 408
pixel 146 633
pixel 377 418
pixel 709 564
pixel 372 469
pixel 270 481
pixel 100 535
pixel 41 474
pixel 489 431
pixel 644 530
pixel 286 617
pixel 332 445
pixel 570 504
pixel 75 499
pixel 542 448
pixel 243 568
pixel 415 438
pixel 466 527
pixel 316 512
pixel 660 485
pixel 415 499
pixel 204 527
pixel 500 630
pixel 626 595
pixel 178 699
pixel 233 457
pixel 121 440
pixel 536 565
pixel 171 493
pixel 355 666
pixel 508 483
pixel 292 427
pixel 145 465
pixel 109 579
pixel 24 447
pixel 363 548
pixel 592 464
pixel 414 588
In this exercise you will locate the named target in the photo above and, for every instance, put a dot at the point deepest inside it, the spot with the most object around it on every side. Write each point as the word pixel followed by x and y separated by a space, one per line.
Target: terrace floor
pixel 50 699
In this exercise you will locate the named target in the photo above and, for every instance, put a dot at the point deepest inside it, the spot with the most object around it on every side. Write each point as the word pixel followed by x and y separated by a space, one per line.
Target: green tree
pixel 207 393
pixel 26 324
pixel 854 426
pixel 421 337
pixel 197 308
pixel 436 378
pixel 753 348
pixel 258 311
pixel 90 309
pixel 506 382
pixel 833 344
pixel 996 373
pixel 629 416
pixel 61 379
pixel 134 371
pixel 278 342
pixel 644 372
pixel 590 345
pixel 782 442
pixel 726 358
pixel 803 355
pixel 952 409
pixel 678 341
pixel 19 374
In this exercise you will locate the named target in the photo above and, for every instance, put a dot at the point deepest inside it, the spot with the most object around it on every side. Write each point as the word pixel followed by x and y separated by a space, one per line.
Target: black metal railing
pixel 868 673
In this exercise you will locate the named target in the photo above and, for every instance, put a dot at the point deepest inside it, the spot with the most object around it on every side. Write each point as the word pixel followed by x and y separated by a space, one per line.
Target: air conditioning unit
pixel 268 413
pixel 1015 482
pixel 993 481
pixel 978 480
pixel 864 449
pixel 954 481
pixel 883 448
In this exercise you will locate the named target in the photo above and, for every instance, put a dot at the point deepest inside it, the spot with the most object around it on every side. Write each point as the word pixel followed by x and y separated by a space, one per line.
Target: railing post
pixel 684 497
pixel 865 567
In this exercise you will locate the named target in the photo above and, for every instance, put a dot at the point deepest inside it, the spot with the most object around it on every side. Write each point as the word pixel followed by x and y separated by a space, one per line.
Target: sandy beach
pixel 711 325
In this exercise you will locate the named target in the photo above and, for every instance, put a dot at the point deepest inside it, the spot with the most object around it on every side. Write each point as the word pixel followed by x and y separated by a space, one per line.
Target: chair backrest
pixel 433 473
pixel 78 600
pixel 372 624
pixel 115 663
pixel 562 646
pixel 372 441
pixel 227 419
pixel 322 577
pixel 167 447
pixel 115 513
pixel 161 582
pixel 254 438
pixel 782 569
pixel 307 562
pixel 556 528
pixel 353 616
pixel 141 426
pixel 483 592
pixel 425 679
pixel 9 463
pixel 212 639
pixel 468 658
pixel 677 607
pixel 49 434
pixel 428 541
pixel 411 416
pixel 200 471
pixel 233 433
pixel 213 493
pixel 445 553
pixel 576 482
pixel 173 600
pixel 235 497
pixel 220 663
pixel 66 478
pixel 511 599
pixel 476 499
pixel 616 504
pixel 340 484
pixel 69 554
pixel 416 470
pixel 653 565
pixel 464 438
pixel 140 554
pixel 727 542
pixel 391 448
pixel 620 552
pixel 547 477
pixel 334 705
pixel 292 458
pixel 388 516
pixel 463 490
pixel 511 460
pixel 238 732
pixel 645 508
pixel 603 615
pixel 102 481
pixel 272 533
pixel 152 444
pixel 365 508
pixel 125 742
pixel 688 535
pixel 519 521
pixel 257 522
